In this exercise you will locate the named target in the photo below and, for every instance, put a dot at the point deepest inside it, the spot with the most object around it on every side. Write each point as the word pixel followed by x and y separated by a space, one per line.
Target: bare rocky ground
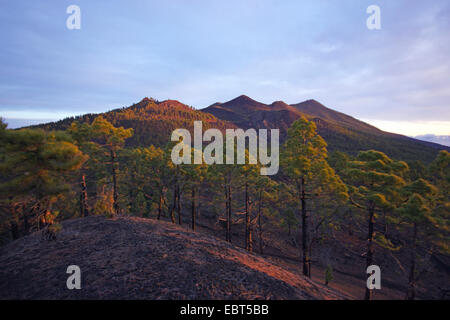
pixel 136 258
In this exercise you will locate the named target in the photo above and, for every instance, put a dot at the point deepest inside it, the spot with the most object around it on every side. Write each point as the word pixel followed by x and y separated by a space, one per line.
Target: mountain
pixel 137 258
pixel 441 139
pixel 340 131
pixel 153 122
pixel 246 113
pixel 315 109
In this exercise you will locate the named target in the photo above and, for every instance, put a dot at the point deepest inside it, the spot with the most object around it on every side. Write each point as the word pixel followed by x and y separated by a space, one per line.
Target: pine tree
pixel 34 171
pixel 82 135
pixel 148 173
pixel 423 220
pixel 103 141
pixel 375 179
pixel 224 179
pixel 416 213
pixel 439 172
pixel 304 163
pixel 194 175
pixel 267 196
pixel 250 174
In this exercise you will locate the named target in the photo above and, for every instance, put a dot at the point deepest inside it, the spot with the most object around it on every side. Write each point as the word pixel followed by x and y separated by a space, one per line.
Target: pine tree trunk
pixel 305 231
pixel 14 230
pixel 26 224
pixel 369 256
pixel 179 203
pixel 114 176
pixel 81 205
pixel 229 211
pixel 13 224
pixel 160 205
pixel 193 208
pixel 227 235
pixel 36 213
pixel 411 294
pixel 84 197
pixel 172 208
pixel 250 241
pixel 247 220
pixel 260 223
pixel 385 224
pixel 131 203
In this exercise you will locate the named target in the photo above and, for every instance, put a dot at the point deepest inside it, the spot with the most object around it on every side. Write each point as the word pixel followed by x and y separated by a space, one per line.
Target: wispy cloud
pixel 202 52
pixel 412 128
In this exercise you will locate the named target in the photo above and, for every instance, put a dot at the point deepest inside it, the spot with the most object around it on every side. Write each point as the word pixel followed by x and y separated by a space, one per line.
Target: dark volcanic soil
pixel 135 258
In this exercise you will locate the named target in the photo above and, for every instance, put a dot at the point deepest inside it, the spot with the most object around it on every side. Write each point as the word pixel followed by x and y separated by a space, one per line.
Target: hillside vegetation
pixel 341 132
pixel 322 210
pixel 153 122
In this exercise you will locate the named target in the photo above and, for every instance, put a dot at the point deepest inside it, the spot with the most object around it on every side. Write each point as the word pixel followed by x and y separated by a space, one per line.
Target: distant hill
pixel 342 132
pixel 136 258
pixel 153 122
pixel 441 139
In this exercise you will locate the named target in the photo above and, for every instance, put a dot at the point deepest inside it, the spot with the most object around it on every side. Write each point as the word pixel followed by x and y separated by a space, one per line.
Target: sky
pixel 201 52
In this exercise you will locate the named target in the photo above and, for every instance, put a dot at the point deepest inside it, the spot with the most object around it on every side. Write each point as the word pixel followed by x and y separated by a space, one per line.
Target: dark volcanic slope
pixel 340 131
pixel 135 258
pixel 316 109
pixel 248 113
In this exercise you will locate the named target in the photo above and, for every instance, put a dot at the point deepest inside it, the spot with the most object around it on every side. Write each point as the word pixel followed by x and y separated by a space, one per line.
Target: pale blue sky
pixel 200 52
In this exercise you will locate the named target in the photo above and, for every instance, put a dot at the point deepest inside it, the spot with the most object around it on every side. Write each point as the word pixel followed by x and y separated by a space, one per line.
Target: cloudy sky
pixel 201 52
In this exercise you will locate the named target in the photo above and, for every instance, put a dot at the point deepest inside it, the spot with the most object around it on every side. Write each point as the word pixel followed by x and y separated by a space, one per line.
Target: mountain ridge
pixel 153 122
pixel 341 131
